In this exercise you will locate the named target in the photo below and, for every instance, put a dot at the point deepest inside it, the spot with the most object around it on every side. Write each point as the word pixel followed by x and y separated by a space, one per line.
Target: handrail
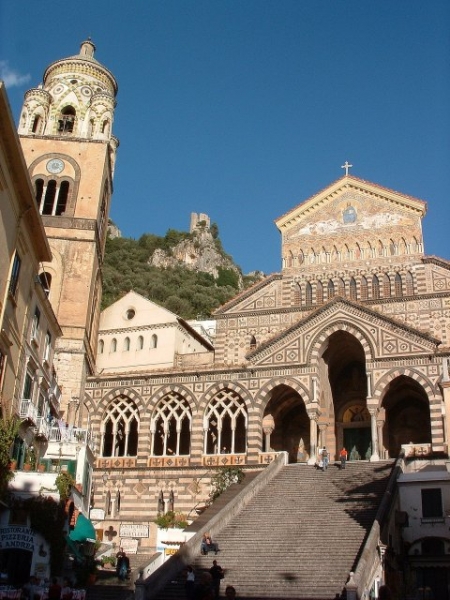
pixel 370 559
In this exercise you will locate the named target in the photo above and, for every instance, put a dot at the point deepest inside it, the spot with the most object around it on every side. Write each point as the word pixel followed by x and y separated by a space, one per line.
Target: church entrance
pixel 407 415
pixel 358 443
pixel 290 423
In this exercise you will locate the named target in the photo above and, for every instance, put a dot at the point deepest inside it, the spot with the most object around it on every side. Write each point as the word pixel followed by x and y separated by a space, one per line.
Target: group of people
pixel 56 591
pixel 207 585
pixel 324 460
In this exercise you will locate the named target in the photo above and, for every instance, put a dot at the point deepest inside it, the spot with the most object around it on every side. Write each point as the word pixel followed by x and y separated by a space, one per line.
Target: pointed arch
pixel 375 287
pixel 170 426
pixel 398 290
pixel 330 289
pixel 225 423
pixel 352 289
pixel 308 294
pixel 364 288
pixel 120 428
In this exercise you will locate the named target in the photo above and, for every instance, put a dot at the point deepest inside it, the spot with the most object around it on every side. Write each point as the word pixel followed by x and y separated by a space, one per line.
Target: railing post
pixel 139 592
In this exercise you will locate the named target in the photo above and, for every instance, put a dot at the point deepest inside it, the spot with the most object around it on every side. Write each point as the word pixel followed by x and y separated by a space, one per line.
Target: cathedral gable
pixel 380 337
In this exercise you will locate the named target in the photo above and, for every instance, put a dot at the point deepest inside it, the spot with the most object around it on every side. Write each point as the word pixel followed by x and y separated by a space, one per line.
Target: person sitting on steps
pixel 208 545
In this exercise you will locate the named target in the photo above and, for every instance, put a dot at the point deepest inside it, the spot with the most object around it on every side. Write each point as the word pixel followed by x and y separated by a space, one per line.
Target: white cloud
pixel 10 77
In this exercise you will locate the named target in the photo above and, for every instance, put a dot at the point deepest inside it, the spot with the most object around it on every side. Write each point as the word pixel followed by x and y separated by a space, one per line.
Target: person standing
pixel 217 574
pixel 343 456
pixel 54 591
pixel 189 585
pixel 324 454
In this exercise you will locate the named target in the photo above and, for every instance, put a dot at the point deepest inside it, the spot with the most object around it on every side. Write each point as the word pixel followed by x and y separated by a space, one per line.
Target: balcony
pixel 72 436
pixel 28 410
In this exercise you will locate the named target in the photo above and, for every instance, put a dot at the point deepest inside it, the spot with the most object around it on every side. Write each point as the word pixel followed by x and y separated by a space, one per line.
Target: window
pixel 375 287
pixel 126 344
pixel 341 287
pixel 49 199
pixel 66 120
pixel 37 124
pixel 120 428
pixel 62 198
pixel 140 342
pixel 308 294
pixel 39 186
pixel 252 342
pixel 35 324
pixel 297 295
pixel 319 293
pixel 171 427
pixel 353 292
pixel 386 286
pixel 47 346
pixel 101 346
pixel 409 284
pixel 15 274
pixel 27 387
pixel 398 285
pixel 153 341
pixel 226 419
pixel 46 281
pixel 364 288
pixel 330 289
pixel 431 503
pixel 114 345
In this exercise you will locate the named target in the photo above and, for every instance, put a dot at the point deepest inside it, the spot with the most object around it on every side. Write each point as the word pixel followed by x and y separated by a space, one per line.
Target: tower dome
pixel 76 99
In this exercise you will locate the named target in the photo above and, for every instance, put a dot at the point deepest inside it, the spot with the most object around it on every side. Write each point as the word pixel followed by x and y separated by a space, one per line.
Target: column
pixel 380 425
pixel 373 430
pixel 313 416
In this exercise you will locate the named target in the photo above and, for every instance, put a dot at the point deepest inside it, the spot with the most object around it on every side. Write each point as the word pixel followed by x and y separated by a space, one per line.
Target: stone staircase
pixel 300 537
pixel 108 587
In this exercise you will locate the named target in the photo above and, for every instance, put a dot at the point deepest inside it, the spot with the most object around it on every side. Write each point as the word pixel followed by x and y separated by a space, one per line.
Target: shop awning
pixel 83 530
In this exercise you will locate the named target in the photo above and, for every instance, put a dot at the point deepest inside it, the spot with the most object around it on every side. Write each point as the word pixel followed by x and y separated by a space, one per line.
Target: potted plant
pixel 30 460
pixel 108 562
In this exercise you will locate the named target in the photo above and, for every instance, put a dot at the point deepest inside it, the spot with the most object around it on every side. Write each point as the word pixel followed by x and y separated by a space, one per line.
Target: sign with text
pixel 97 514
pixel 17 537
pixel 133 530
pixel 129 546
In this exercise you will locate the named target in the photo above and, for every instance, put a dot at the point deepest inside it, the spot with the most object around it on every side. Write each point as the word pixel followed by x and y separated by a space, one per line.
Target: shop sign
pixel 16 537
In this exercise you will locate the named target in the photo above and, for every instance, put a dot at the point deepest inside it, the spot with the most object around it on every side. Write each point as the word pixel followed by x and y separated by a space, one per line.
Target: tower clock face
pixel 55 165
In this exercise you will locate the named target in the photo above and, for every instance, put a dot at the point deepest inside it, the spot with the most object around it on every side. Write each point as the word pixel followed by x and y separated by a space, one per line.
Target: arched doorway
pixel 290 422
pixel 342 368
pixel 407 415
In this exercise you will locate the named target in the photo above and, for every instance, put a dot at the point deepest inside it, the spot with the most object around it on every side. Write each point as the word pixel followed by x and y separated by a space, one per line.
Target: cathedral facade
pixel 347 346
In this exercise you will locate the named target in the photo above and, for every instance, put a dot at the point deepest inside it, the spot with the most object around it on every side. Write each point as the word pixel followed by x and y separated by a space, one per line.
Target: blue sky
pixel 244 108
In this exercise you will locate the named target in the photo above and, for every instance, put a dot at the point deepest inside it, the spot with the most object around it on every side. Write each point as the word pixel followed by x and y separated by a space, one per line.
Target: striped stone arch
pixel 128 392
pixel 229 385
pixel 381 385
pixel 262 397
pixel 163 391
pixel 366 341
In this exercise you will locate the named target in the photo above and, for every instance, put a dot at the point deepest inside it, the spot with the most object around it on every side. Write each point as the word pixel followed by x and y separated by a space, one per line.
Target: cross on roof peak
pixel 346 166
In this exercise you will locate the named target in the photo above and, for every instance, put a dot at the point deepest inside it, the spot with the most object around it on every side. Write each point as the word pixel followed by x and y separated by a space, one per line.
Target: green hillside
pixel 188 293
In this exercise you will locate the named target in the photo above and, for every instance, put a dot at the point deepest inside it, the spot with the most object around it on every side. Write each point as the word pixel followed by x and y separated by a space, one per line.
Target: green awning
pixel 83 530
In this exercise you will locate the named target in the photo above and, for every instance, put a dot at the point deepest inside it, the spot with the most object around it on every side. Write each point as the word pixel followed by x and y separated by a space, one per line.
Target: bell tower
pixel 66 134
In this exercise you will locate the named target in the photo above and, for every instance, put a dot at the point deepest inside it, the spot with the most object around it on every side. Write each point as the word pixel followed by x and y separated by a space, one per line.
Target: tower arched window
pixel 171 427
pixel 62 198
pixel 226 423
pixel 37 124
pixel 105 127
pixel 66 120
pixel 154 341
pixel 49 200
pixel 353 289
pixel 330 289
pixel 114 345
pixel 364 288
pixel 398 285
pixel 375 287
pixel 120 428
pixel 39 187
